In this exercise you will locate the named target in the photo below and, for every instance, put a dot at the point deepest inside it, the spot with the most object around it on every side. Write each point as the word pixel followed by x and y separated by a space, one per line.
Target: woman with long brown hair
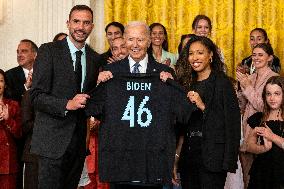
pixel 251 91
pixel 267 138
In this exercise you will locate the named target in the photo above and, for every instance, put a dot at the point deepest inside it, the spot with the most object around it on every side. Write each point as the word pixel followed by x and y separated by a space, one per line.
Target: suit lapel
pixel 67 62
pixel 21 75
pixel 66 56
pixel 89 61
pixel 125 65
pixel 151 65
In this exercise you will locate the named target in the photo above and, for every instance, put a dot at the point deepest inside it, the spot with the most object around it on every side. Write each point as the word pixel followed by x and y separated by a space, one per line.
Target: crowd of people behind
pixel 233 140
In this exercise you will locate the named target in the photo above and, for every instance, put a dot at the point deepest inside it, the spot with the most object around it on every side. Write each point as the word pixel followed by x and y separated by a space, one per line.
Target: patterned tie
pixel 136 66
pixel 78 70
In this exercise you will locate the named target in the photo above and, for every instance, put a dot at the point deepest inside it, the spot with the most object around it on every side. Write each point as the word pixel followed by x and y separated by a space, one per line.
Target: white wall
pixel 40 21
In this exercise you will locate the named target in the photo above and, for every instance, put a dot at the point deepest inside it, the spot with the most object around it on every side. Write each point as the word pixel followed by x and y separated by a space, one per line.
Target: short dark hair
pixel 201 17
pixel 58 35
pixel 266 47
pixel 81 8
pixel 116 24
pixel 261 30
pixel 182 38
pixel 7 92
pixel 34 46
pixel 264 33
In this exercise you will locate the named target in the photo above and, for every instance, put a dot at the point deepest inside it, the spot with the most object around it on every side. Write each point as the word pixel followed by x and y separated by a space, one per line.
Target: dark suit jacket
pixel 221 126
pixel 105 56
pixel 28 117
pixel 122 66
pixel 16 80
pixel 53 85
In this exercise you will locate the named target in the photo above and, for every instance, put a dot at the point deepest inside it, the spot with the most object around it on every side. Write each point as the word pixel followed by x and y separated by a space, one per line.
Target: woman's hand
pixel 267 135
pixel 243 79
pixel 94 123
pixel 176 179
pixel 196 99
pixel 4 114
pixel 165 75
pixel 167 62
pixel 265 132
pixel 267 144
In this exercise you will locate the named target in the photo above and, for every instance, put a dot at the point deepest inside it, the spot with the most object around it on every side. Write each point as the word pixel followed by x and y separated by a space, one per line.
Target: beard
pixel 77 38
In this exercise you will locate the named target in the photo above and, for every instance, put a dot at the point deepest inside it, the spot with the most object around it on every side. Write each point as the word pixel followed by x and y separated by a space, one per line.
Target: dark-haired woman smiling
pixel 159 45
pixel 211 140
pixel 251 91
pixel 257 36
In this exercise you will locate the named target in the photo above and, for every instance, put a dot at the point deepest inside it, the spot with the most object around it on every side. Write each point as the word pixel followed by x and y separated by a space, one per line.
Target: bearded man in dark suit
pixel 63 74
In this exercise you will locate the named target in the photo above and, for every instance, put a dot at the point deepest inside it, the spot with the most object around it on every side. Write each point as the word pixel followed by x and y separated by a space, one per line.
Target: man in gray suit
pixel 63 74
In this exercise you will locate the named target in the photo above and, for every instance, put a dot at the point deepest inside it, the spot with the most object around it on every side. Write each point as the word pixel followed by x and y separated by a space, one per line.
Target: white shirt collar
pixel 73 49
pixel 26 72
pixel 143 64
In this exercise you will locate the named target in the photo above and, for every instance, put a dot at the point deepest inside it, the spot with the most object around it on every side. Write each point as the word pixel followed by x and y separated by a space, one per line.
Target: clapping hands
pixel 4 112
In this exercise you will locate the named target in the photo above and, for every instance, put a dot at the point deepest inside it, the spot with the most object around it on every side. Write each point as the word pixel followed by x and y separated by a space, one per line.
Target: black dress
pixel 191 152
pixel 267 171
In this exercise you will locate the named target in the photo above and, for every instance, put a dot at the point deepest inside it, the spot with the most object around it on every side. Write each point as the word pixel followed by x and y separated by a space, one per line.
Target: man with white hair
pixel 137 41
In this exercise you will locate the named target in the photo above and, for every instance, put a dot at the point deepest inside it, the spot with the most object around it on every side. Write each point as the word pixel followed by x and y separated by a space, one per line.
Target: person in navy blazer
pixel 17 76
pixel 137 37
pixel 59 135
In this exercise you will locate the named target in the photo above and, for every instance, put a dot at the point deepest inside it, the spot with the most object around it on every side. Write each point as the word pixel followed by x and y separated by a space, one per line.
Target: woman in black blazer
pixel 211 139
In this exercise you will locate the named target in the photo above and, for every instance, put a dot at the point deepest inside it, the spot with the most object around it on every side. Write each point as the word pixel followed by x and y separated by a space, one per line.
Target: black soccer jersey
pixel 136 135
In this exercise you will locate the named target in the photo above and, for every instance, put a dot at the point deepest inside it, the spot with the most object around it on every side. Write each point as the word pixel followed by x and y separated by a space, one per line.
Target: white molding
pixel 97 38
pixel 1 11
pixel 38 20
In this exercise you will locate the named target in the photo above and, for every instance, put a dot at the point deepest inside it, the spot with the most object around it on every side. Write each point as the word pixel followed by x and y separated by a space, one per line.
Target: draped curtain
pixel 232 21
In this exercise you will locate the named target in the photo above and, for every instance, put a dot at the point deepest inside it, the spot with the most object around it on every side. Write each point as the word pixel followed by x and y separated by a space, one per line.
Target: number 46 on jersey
pixel 129 112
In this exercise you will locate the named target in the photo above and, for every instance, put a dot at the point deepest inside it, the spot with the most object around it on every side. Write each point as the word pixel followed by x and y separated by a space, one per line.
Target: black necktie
pixel 136 66
pixel 78 70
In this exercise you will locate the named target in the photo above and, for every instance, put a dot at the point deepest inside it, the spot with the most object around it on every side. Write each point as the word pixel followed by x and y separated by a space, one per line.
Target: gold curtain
pixel 267 14
pixel 232 21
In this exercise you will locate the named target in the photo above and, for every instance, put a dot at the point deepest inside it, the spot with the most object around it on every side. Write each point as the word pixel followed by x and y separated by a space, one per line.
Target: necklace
pixel 281 128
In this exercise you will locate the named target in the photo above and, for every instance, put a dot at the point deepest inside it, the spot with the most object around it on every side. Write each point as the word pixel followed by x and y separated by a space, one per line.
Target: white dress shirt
pixel 143 64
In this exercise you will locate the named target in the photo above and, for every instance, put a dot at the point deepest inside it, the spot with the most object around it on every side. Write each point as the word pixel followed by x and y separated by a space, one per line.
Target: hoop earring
pixel 210 60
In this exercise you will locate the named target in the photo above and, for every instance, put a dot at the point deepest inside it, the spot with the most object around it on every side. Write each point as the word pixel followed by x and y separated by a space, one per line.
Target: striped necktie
pixel 135 68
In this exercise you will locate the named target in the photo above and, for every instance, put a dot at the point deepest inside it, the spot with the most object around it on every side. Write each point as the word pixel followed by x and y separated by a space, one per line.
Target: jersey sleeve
pixel 95 105
pixel 182 107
